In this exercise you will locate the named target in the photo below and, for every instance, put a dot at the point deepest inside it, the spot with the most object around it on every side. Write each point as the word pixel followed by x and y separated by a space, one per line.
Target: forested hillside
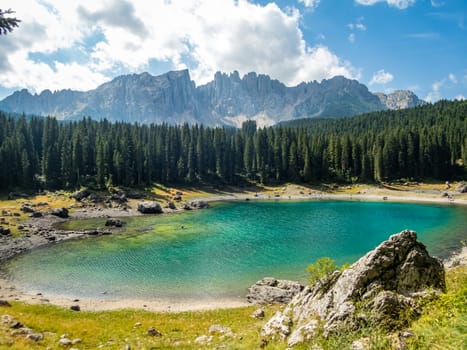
pixel 419 143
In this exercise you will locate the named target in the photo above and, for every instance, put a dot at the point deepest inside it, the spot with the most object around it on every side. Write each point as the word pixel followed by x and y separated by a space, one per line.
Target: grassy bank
pixel 443 325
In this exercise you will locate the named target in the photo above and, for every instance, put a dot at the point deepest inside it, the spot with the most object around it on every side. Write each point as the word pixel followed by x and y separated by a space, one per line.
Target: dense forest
pixel 419 143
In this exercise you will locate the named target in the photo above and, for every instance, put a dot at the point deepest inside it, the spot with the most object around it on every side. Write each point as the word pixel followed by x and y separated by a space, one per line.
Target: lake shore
pixel 42 229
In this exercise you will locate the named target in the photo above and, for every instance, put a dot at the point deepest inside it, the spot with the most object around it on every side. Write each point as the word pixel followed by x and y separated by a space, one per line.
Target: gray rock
pixel 75 308
pixel 216 328
pixel 272 291
pixel 80 195
pixel 153 332
pixel 304 333
pixel 27 209
pixel 35 336
pixel 278 327
pixel 258 314
pixel 199 204
pixel 61 213
pixel 4 303
pixel 5 231
pixel 203 339
pixel 149 208
pixel 387 282
pixel 461 187
pixel 114 222
pixel 65 342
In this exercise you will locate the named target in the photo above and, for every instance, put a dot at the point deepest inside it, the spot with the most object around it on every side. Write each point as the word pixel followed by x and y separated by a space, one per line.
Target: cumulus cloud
pixel 351 37
pixel 400 4
pixel 460 97
pixel 118 36
pixel 452 78
pixel 381 77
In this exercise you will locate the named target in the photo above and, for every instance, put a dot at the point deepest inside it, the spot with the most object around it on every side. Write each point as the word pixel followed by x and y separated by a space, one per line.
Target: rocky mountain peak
pixel 400 99
pixel 227 100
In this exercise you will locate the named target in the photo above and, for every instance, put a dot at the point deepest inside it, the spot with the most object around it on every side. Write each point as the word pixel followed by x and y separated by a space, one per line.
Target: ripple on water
pixel 218 253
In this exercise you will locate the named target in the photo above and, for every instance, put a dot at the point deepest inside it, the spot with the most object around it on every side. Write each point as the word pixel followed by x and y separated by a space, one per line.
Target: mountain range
pixel 229 99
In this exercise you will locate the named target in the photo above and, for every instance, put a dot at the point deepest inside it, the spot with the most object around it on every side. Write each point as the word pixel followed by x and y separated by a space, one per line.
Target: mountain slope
pixel 174 98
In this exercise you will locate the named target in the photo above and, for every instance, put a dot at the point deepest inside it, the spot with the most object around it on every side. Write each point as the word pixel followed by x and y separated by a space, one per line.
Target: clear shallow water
pixel 218 253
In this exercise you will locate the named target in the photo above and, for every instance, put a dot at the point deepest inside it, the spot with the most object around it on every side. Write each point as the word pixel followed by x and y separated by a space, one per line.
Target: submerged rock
pixel 272 291
pixel 114 222
pixel 386 283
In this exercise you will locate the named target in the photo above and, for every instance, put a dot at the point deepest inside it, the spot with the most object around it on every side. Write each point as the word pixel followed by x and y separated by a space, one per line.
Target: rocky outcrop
pixel 400 99
pixel 149 208
pixel 272 291
pixel 385 287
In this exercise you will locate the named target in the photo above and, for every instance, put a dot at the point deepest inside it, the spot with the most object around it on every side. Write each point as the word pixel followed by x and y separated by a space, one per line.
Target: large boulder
pixel 80 195
pixel 60 212
pixel 384 287
pixel 199 204
pixel 462 187
pixel 149 208
pixel 272 291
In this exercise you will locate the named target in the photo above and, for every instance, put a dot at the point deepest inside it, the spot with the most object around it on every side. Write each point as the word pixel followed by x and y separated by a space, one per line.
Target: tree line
pixel 419 143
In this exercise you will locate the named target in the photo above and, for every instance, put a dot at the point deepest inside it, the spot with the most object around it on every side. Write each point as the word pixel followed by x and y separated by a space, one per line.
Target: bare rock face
pixel 388 281
pixel 272 291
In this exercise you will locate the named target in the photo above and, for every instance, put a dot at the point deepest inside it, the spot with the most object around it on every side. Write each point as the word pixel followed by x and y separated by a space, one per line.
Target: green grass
pixel 443 325
pixel 116 329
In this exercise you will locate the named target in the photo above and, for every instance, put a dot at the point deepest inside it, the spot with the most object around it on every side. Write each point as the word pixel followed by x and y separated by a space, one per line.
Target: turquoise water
pixel 218 253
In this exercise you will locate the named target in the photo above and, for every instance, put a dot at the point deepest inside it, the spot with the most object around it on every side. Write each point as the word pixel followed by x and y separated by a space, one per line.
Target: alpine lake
pixel 218 253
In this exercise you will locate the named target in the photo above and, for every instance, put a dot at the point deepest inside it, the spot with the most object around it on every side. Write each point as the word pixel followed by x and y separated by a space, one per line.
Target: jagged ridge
pixel 227 100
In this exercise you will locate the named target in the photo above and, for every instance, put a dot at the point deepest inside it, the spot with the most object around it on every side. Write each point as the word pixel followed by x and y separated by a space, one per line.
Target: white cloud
pixel 115 36
pixel 381 77
pixel 400 4
pixel 435 94
pixel 358 25
pixel 351 37
pixel 452 78
pixel 310 3
pixel 437 4
pixel 460 98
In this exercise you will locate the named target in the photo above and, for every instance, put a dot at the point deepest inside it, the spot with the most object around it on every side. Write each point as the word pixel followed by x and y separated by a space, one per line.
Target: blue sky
pixel 419 45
